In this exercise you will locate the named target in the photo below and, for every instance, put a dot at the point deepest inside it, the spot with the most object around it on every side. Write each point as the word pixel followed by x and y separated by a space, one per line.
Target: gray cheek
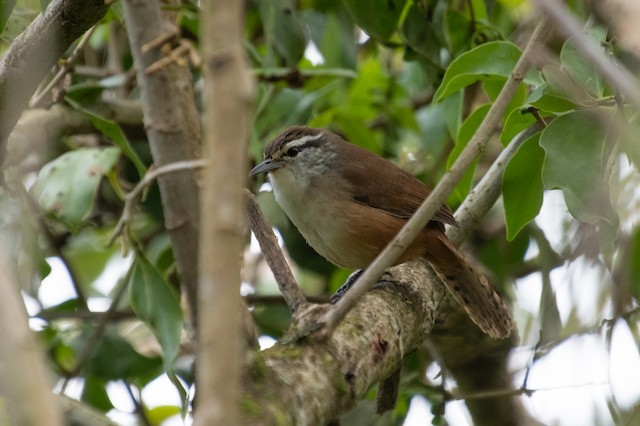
pixel 314 161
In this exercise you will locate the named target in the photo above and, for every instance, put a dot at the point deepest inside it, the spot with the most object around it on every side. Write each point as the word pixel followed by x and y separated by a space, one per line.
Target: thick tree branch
pixel 173 129
pixel 33 53
pixel 227 103
pixel 314 381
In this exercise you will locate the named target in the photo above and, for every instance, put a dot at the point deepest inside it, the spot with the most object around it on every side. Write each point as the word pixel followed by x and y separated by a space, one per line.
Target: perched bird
pixel 348 203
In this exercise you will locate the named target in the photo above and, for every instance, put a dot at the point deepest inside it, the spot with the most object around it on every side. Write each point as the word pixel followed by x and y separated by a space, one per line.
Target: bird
pixel 348 203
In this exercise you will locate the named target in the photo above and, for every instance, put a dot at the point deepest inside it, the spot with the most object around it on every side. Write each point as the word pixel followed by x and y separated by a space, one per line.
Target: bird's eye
pixel 292 152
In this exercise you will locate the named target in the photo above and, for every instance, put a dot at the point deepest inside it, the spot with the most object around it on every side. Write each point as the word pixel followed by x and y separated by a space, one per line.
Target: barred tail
pixel 470 289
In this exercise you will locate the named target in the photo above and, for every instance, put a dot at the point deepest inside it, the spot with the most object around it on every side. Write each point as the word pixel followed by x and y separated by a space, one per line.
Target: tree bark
pixel 173 130
pixel 32 54
pixel 304 380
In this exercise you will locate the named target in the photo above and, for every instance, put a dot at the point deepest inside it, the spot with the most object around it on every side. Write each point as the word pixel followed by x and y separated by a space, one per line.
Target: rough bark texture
pixel 313 381
pixel 33 53
pixel 174 135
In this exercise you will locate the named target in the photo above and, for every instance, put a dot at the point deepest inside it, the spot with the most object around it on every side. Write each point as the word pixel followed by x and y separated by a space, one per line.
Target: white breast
pixel 311 213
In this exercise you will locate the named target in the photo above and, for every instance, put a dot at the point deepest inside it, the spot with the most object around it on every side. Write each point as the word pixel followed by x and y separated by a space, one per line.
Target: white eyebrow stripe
pixel 303 140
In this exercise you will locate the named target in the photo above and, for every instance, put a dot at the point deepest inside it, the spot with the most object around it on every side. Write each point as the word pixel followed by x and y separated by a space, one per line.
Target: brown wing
pixel 373 177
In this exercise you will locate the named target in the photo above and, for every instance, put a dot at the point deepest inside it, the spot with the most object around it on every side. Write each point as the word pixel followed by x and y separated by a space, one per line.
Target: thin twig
pixel 148 179
pixel 67 66
pixel 535 112
pixel 184 49
pixel 93 340
pixel 292 294
pixel 616 74
pixel 159 41
pixel 514 392
pixel 276 299
pixel 433 202
pixel 84 315
pixel 137 404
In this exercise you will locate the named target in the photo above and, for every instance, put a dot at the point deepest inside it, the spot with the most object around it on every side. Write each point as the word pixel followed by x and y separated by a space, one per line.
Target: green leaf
pixel 420 37
pixel 114 133
pixel 87 92
pixel 545 98
pixel 504 258
pixel 516 123
pixel 493 87
pixel 94 392
pixel 522 187
pixel 333 35
pixel 66 187
pixel 629 141
pixel 115 359
pixel 632 265
pixel 457 35
pixel 283 29
pixel 159 414
pixel 379 18
pixel 440 122
pixel 157 304
pixel 580 69
pixel 6 7
pixel 88 256
pixel 488 60
pixel 17 20
pixel 467 130
pixel 576 152
pixel 434 134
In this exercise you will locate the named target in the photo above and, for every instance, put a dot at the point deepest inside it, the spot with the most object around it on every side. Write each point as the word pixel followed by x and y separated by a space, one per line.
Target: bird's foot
pixel 384 280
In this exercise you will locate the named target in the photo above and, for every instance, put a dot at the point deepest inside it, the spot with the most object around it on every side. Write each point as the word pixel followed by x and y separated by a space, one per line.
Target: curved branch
pixel 33 53
pixel 313 381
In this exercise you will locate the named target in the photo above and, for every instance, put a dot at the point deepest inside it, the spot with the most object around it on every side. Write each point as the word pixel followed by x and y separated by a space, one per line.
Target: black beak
pixel 266 166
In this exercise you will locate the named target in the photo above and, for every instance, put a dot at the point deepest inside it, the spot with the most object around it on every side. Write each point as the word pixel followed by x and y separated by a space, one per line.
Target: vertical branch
pixel 228 93
pixel 173 131
pixel 25 390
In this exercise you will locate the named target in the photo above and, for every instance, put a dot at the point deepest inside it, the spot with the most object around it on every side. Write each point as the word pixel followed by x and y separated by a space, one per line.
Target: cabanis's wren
pixel 348 203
